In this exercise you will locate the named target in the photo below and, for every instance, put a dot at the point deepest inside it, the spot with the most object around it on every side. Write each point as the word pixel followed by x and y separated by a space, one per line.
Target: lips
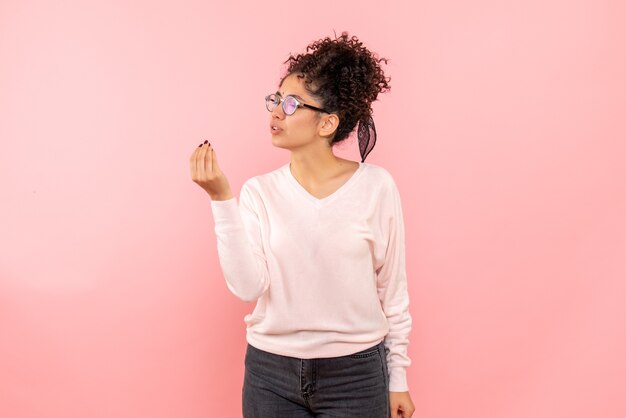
pixel 275 129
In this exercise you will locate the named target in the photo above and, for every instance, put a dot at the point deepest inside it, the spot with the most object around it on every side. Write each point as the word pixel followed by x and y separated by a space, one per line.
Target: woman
pixel 319 244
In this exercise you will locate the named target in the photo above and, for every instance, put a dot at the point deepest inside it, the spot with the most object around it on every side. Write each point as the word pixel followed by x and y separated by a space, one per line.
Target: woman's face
pixel 301 128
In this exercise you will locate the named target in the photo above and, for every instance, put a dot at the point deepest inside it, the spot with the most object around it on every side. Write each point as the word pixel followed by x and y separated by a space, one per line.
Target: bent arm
pixel 239 245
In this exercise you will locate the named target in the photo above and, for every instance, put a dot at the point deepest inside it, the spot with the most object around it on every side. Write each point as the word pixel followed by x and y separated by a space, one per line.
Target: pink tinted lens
pixel 289 105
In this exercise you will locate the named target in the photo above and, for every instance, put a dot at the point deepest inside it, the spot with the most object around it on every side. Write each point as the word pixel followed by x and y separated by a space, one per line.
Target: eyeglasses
pixel 290 104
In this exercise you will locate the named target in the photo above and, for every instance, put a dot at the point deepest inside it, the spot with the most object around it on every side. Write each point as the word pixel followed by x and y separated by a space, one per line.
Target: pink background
pixel 505 130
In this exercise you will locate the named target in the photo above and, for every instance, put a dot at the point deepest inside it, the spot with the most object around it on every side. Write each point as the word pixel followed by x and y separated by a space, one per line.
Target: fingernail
pixel 199 145
pixel 209 144
pixel 205 141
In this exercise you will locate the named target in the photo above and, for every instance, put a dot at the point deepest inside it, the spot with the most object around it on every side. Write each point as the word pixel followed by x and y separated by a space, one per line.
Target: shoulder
pixel 377 170
pixel 266 180
pixel 379 175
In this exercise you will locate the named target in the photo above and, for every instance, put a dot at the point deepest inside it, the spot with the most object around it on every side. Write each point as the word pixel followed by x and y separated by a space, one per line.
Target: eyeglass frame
pixel 298 104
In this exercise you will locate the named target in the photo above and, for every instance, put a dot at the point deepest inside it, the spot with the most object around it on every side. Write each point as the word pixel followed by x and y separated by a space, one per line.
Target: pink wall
pixel 504 130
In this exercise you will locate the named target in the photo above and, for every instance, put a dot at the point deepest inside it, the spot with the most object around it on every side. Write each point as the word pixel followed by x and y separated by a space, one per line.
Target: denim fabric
pixel 355 385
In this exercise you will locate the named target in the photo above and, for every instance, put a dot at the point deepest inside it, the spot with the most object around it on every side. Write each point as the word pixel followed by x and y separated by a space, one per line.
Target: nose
pixel 278 112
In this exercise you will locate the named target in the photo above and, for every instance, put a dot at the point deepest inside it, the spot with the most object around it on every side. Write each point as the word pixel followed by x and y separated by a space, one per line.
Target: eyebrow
pixel 294 95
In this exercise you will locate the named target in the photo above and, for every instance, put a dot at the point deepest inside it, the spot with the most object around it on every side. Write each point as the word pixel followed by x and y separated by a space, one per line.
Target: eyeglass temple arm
pixel 313 107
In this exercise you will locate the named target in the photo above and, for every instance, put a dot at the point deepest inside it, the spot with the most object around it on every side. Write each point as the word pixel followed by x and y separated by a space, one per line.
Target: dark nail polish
pixel 206 141
pixel 209 144
pixel 199 145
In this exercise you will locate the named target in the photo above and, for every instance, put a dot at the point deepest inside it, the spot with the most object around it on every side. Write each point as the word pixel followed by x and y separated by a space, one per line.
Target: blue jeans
pixel 355 385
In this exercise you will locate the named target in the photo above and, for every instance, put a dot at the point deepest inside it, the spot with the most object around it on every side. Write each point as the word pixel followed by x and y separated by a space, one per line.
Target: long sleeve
pixel 393 294
pixel 239 246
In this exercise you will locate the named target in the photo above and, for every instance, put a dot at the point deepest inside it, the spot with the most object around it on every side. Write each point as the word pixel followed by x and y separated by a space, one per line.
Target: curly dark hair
pixel 344 76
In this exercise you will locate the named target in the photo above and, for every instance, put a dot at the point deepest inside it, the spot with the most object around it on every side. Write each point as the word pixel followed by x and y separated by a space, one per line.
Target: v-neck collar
pixel 325 200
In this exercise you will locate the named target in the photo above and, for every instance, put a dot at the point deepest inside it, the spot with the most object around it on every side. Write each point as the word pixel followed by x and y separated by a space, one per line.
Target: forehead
pixel 293 85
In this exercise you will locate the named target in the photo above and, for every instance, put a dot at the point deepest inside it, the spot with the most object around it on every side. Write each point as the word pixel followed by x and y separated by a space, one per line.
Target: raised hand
pixel 206 172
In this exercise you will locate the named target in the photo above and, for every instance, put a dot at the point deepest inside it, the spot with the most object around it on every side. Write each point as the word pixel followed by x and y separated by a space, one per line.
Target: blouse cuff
pixel 397 379
pixel 225 209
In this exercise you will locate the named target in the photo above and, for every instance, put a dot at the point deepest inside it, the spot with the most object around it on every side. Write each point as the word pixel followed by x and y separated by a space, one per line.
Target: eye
pixel 290 104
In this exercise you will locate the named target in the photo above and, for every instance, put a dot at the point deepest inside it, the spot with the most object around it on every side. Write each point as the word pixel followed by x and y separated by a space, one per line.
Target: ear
pixel 328 125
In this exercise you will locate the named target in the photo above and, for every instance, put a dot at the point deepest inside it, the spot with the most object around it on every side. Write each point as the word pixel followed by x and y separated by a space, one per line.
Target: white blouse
pixel 328 274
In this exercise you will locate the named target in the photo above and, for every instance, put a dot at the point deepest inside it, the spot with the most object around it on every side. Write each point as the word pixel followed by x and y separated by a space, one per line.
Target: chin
pixel 277 143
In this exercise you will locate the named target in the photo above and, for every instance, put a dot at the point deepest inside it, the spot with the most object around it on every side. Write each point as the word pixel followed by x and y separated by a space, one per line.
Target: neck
pixel 313 168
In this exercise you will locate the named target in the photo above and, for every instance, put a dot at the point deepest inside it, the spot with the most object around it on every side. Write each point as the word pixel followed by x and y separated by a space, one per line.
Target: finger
pixel 202 171
pixel 394 411
pixel 216 166
pixel 208 160
pixel 193 162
